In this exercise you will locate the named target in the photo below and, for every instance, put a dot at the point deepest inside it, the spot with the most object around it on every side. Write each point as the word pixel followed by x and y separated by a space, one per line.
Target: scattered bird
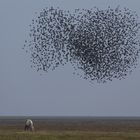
pixel 104 44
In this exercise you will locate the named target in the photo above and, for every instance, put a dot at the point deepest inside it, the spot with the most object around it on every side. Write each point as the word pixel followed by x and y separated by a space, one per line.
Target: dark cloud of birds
pixel 104 44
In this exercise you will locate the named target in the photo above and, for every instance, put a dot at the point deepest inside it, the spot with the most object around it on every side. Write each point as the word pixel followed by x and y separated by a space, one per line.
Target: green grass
pixel 69 135
pixel 60 129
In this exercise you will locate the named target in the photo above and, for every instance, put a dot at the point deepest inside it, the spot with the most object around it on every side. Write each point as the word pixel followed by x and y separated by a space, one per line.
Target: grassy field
pixel 67 135
pixel 61 129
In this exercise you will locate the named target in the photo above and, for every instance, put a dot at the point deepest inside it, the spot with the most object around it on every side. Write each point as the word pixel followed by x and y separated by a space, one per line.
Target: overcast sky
pixel 23 91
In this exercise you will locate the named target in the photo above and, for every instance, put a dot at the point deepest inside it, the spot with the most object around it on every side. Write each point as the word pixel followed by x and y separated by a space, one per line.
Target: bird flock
pixel 104 44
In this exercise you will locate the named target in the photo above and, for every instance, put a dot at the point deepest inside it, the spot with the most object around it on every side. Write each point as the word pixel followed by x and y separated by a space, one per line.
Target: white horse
pixel 29 126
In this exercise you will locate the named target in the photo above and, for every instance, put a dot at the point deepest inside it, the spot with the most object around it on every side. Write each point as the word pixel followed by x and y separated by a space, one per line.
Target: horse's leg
pixel 25 128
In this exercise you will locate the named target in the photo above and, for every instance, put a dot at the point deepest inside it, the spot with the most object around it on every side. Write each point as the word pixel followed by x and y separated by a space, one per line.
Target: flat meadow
pixel 71 128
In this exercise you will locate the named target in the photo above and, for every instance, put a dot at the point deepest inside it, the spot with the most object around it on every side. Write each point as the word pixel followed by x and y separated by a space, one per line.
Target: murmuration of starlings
pixel 103 44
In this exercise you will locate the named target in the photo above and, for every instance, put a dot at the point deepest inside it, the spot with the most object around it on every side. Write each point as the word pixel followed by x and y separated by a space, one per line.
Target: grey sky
pixel 24 91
